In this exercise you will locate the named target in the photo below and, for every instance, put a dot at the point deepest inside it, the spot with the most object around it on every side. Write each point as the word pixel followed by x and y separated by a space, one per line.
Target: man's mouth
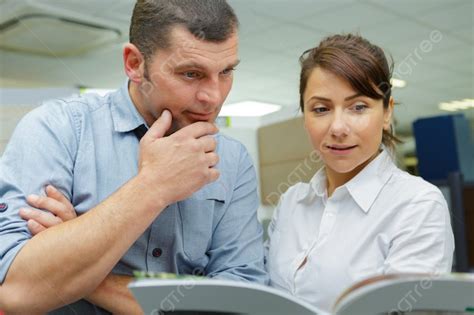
pixel 200 116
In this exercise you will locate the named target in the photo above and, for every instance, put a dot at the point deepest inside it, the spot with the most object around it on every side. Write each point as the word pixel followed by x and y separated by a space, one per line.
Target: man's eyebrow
pixel 192 64
pixel 187 65
pixel 234 64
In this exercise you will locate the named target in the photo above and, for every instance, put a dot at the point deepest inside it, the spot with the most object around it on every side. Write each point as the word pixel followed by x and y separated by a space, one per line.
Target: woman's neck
pixel 335 179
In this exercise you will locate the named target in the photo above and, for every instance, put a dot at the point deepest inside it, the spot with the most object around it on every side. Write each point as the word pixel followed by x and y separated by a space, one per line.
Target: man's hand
pixel 180 164
pixel 57 206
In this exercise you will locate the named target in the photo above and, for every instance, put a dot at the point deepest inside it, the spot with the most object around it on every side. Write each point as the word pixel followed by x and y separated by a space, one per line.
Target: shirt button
pixel 3 207
pixel 157 252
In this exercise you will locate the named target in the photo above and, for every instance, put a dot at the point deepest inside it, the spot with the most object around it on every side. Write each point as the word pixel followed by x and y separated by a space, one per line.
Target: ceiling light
pixel 397 83
pixel 248 109
pixel 457 105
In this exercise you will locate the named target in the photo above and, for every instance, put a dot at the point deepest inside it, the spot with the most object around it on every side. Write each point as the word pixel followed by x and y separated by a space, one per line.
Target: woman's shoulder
pixel 297 191
pixel 414 188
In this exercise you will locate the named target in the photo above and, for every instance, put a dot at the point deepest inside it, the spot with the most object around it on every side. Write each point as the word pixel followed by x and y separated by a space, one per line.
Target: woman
pixel 359 215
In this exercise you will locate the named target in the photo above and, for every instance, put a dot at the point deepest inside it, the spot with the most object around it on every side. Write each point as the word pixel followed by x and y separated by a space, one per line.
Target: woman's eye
pixel 360 107
pixel 320 110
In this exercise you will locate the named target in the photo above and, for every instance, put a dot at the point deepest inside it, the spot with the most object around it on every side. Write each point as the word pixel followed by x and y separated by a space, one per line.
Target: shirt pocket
pixel 197 216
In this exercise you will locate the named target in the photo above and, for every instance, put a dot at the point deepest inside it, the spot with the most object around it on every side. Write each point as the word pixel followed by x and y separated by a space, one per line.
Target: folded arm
pixel 70 260
pixel 112 293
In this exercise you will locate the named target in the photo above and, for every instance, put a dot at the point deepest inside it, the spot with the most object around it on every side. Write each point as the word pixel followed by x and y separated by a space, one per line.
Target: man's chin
pixel 177 125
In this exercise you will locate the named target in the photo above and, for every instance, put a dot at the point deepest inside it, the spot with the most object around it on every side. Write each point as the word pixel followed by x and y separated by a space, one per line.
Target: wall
pixel 286 158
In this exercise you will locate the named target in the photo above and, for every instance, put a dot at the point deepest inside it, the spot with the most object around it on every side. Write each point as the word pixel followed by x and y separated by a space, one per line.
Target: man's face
pixel 191 79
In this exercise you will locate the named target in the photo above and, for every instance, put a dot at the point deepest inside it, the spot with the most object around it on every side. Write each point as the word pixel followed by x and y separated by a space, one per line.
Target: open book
pixel 376 295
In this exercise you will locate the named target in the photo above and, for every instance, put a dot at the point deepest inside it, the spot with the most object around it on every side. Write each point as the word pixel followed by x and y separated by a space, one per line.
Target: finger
pixel 213 174
pixel 159 127
pixel 198 129
pixel 66 211
pixel 35 227
pixel 54 193
pixel 208 143
pixel 51 205
pixel 44 218
pixel 212 159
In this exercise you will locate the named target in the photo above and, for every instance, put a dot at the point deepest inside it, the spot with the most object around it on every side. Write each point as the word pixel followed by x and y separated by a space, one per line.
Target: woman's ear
pixel 387 116
pixel 134 63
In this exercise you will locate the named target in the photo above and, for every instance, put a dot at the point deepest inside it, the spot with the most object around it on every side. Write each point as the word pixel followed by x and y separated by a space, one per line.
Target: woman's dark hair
pixel 359 62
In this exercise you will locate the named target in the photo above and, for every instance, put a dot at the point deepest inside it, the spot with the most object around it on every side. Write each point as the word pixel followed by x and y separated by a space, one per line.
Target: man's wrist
pixel 151 190
pixel 114 296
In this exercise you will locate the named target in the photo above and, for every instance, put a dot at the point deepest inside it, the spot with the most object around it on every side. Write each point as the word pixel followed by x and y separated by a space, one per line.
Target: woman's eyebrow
pixel 329 100
pixel 352 96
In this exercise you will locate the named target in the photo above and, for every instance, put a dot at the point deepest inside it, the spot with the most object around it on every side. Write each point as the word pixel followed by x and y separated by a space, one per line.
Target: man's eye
pixel 191 74
pixel 228 71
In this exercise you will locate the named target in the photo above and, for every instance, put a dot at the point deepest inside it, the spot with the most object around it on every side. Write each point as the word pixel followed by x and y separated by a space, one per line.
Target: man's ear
pixel 134 63
pixel 387 116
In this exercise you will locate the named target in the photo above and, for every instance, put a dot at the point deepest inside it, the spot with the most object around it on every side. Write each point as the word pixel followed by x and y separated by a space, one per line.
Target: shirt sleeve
pixel 271 230
pixel 423 240
pixel 40 152
pixel 237 252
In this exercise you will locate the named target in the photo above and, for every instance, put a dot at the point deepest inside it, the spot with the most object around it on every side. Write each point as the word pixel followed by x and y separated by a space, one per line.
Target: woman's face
pixel 344 126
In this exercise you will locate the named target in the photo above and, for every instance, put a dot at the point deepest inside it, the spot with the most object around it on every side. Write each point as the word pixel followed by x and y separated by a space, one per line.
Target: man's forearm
pixel 114 296
pixel 70 260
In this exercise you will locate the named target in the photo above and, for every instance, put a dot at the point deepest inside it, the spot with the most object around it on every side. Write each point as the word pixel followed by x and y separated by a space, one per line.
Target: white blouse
pixel 384 220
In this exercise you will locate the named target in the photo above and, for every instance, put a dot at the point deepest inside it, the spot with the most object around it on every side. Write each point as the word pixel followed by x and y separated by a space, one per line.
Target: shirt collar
pixel 316 187
pixel 124 113
pixel 363 188
pixel 366 186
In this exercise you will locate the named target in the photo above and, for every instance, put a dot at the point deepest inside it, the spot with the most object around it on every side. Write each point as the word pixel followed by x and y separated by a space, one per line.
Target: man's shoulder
pixel 63 117
pixel 59 112
pixel 86 103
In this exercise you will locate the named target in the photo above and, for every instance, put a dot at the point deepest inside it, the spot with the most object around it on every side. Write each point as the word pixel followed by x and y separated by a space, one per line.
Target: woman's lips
pixel 341 149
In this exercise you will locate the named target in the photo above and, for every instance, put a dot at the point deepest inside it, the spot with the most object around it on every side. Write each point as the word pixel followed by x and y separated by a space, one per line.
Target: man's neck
pixel 138 102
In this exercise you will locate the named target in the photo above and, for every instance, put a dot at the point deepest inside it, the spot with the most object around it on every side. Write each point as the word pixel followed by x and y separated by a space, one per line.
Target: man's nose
pixel 209 94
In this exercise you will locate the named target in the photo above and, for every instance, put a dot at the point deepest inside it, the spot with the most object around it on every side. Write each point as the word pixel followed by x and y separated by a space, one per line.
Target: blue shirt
pixel 86 147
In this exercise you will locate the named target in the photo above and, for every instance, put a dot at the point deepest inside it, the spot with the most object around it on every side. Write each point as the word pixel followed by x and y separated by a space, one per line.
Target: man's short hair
pixel 153 20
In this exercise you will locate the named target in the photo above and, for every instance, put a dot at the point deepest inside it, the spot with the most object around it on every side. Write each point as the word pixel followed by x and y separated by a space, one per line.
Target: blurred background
pixel 52 48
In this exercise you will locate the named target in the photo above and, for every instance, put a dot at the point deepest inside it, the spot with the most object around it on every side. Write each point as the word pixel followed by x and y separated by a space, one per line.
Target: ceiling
pixel 273 35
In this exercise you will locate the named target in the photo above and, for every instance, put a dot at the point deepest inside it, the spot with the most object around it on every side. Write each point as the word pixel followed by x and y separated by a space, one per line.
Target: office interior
pixel 58 49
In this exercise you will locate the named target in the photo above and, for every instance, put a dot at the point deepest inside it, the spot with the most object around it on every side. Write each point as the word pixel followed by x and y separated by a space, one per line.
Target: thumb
pixel 160 126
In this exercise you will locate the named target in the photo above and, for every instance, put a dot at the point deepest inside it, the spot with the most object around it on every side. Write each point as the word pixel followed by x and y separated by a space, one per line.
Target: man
pixel 182 199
